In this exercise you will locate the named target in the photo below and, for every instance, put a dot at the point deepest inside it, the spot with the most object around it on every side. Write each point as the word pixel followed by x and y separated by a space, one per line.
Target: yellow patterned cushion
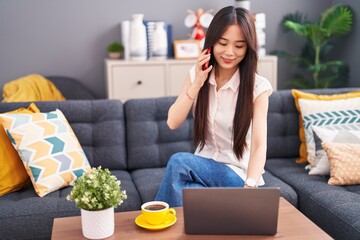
pixel 12 171
pixel 344 163
pixel 48 147
pixel 298 95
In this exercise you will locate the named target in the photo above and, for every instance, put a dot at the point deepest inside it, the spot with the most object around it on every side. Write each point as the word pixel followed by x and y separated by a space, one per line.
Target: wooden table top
pixel 292 224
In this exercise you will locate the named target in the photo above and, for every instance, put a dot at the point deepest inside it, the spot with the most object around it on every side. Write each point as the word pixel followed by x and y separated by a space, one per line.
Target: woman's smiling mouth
pixel 227 60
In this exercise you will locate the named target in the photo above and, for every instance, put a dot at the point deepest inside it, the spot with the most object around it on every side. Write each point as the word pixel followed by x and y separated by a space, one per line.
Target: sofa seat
pixel 25 208
pixel 320 201
pixel 147 182
pixel 286 190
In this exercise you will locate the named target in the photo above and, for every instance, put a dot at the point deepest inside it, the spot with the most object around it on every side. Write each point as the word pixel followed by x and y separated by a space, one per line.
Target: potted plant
pixel 115 50
pixel 97 193
pixel 335 21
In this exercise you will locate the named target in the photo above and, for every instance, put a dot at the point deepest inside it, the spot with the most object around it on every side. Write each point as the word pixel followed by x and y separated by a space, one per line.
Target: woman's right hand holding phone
pixel 202 68
pixel 179 111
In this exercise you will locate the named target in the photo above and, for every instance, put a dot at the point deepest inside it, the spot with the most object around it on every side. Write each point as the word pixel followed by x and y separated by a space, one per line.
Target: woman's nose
pixel 229 51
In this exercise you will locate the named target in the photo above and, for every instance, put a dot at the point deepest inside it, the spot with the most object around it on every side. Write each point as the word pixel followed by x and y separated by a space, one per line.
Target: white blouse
pixel 222 103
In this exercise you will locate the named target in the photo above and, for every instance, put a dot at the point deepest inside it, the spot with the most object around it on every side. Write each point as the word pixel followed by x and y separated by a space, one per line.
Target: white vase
pixel 243 4
pixel 98 224
pixel 137 41
pixel 159 42
pixel 125 32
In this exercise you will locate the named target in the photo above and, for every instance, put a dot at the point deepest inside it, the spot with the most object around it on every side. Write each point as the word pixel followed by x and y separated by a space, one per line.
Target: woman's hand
pixel 200 74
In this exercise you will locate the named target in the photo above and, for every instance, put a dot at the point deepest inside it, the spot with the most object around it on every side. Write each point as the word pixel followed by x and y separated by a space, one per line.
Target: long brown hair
pixel 244 105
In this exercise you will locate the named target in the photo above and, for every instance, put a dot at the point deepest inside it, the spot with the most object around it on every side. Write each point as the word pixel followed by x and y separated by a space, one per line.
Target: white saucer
pixel 171 220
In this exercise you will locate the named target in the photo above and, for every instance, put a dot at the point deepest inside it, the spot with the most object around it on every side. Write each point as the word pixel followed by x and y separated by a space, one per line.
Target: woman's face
pixel 231 48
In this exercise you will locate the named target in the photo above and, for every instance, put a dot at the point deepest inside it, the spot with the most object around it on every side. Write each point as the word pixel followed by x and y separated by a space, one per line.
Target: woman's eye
pixel 222 44
pixel 239 46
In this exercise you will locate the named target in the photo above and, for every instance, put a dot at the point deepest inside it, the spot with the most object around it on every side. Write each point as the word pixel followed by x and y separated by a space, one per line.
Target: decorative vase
pixel 159 42
pixel 98 224
pixel 243 4
pixel 125 32
pixel 137 41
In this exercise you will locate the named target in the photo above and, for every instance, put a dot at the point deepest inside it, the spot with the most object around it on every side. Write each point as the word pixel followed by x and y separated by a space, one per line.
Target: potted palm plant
pixel 335 21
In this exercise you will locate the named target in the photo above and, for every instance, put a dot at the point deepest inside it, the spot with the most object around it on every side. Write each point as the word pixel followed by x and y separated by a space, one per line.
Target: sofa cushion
pixel 344 163
pixel 285 190
pixel 147 182
pixel 342 114
pixel 306 95
pixel 92 121
pixel 282 138
pixel 336 212
pixel 13 175
pixel 321 164
pixel 318 200
pixel 283 122
pixel 150 142
pixel 48 147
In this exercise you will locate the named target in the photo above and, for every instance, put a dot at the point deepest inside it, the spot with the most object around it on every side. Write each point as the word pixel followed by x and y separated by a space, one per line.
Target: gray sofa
pixel 134 142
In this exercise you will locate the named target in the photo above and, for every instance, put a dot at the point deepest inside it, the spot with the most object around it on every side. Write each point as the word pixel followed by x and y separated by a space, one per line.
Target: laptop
pixel 238 211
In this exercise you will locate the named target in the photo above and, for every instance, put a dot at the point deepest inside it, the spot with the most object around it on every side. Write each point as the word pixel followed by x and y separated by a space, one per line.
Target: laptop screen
pixel 240 211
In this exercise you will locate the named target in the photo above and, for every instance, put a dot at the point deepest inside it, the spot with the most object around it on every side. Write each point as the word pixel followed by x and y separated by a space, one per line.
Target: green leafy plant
pixel 321 73
pixel 115 46
pixel 97 190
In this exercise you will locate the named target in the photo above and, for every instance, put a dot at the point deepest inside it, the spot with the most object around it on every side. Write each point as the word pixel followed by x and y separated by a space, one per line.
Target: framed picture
pixel 186 49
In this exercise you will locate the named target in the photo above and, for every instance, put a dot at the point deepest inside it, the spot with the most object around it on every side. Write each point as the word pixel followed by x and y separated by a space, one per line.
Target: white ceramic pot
pixel 115 55
pixel 138 43
pixel 243 4
pixel 98 224
pixel 159 42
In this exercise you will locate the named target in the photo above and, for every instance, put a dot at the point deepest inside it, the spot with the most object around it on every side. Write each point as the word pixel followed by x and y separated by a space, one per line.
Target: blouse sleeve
pixel 262 85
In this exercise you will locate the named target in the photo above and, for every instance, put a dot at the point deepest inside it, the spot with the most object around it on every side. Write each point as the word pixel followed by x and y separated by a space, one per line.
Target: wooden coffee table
pixel 291 224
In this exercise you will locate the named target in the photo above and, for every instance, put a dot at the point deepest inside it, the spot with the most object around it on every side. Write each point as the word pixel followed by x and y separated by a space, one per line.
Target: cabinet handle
pixel 139 82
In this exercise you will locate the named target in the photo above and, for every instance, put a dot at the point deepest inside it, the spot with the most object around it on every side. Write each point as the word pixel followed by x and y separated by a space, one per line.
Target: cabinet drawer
pixel 138 82
pixel 177 74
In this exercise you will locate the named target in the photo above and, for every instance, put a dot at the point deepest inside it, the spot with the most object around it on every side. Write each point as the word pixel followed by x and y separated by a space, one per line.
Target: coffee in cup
pixel 156 212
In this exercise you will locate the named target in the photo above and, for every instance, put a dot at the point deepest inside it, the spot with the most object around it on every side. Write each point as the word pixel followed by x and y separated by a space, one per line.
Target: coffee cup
pixel 156 212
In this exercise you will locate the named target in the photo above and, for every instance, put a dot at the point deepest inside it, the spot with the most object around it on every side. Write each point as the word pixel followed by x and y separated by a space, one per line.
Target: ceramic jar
pixel 243 4
pixel 159 42
pixel 137 41
pixel 98 224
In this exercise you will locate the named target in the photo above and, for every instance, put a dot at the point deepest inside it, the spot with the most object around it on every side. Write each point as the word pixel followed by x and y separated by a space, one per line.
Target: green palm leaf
pixel 300 29
pixel 337 20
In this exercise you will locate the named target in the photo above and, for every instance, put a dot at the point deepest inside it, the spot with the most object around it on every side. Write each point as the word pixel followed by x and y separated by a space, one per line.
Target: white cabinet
pixel 130 79
pixel 267 67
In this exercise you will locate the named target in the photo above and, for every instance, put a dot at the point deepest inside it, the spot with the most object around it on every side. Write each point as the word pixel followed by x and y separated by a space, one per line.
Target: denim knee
pixel 179 159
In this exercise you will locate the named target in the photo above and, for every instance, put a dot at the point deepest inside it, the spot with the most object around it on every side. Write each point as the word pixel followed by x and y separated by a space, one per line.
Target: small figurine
pixel 198 20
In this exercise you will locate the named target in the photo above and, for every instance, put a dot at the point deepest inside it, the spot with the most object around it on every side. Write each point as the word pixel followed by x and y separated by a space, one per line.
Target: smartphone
pixel 206 65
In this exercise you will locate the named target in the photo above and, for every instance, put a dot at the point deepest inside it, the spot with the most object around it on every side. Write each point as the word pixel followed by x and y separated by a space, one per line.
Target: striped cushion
pixel 343 114
pixel 48 147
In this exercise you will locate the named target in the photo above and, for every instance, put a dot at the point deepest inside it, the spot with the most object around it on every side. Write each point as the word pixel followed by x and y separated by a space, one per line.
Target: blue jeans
pixel 188 170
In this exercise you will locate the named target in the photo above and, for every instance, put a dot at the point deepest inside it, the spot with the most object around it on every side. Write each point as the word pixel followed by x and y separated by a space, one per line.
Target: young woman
pixel 230 104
